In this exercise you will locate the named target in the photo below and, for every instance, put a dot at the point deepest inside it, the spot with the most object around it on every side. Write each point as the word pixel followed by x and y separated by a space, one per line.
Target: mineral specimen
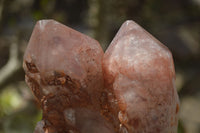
pixel 139 71
pixel 64 70
pixel 133 93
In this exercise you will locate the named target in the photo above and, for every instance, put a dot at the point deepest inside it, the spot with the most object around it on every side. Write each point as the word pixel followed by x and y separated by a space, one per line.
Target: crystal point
pixel 63 68
pixel 140 71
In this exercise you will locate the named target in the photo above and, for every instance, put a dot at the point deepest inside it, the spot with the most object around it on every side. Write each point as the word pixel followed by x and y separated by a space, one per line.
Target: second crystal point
pixel 140 72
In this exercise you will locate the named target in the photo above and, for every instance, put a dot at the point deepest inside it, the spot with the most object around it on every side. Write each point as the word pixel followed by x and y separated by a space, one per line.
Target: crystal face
pixel 63 68
pixel 140 71
pixel 129 89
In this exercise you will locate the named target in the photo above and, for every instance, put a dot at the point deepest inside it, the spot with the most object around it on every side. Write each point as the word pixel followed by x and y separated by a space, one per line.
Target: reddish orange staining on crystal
pixel 31 67
pixel 140 72
pixel 133 93
pixel 63 68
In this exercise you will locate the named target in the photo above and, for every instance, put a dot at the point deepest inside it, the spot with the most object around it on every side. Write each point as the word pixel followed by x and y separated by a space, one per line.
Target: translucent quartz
pixel 139 70
pixel 129 89
pixel 64 70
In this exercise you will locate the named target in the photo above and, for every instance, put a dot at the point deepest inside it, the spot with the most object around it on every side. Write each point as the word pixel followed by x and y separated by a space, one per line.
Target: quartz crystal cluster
pixel 128 89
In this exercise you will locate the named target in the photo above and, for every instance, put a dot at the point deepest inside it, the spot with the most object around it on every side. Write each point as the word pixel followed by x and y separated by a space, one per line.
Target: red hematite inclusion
pixel 133 93
pixel 140 71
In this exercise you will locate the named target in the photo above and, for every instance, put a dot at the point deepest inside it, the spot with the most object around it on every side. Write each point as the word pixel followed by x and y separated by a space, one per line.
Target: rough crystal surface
pixel 139 70
pixel 63 68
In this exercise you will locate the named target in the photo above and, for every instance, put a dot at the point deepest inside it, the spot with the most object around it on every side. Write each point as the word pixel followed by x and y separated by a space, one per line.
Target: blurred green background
pixel 176 23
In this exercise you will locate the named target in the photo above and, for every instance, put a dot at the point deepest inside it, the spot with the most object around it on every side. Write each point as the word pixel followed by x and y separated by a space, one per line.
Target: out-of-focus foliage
pixel 176 23
pixel 10 100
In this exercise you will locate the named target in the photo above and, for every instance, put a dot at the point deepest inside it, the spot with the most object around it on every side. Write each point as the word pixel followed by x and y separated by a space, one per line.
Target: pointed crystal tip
pixel 135 50
pixel 140 71
pixel 52 43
